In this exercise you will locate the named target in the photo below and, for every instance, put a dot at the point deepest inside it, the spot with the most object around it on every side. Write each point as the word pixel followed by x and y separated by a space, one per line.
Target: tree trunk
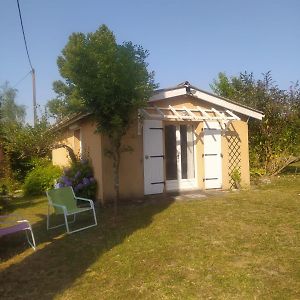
pixel 116 170
pixel 288 162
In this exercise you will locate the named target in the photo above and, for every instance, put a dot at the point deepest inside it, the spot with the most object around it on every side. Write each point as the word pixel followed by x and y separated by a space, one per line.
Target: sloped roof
pixel 186 88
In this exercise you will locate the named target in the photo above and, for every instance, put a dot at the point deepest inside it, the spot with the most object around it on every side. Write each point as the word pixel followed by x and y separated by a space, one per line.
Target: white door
pixel 212 155
pixel 153 157
pixel 180 157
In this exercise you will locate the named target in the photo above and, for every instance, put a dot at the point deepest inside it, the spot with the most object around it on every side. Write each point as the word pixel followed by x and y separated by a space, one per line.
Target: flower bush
pixel 80 176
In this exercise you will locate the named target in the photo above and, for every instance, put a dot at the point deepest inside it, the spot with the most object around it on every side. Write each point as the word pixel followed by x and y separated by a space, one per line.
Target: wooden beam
pixel 175 112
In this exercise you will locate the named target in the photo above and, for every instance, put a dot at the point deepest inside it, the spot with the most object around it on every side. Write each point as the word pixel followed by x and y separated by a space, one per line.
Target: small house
pixel 185 139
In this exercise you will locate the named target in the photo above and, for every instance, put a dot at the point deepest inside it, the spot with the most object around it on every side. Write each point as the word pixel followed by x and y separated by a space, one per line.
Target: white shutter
pixel 212 155
pixel 153 157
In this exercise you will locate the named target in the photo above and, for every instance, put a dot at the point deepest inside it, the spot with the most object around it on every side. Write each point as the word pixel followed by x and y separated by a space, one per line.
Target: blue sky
pixel 187 40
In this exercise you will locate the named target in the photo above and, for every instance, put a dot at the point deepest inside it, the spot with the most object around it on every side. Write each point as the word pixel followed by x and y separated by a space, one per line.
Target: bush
pixel 80 176
pixel 41 178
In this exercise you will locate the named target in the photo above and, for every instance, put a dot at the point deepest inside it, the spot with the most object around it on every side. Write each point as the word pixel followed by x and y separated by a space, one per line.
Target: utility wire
pixel 18 82
pixel 20 15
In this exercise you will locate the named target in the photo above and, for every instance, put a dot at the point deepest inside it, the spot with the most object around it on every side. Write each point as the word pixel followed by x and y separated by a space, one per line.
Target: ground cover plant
pixel 230 245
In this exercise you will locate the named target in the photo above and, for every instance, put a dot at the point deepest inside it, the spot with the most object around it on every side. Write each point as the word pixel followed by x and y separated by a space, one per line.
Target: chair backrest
pixel 62 196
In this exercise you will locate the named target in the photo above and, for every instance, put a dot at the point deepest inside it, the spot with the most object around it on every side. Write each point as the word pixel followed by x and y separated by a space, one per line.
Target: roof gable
pixel 190 90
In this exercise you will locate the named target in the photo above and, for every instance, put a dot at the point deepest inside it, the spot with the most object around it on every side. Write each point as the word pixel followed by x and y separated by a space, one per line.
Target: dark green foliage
pixel 67 101
pixel 23 144
pixel 80 176
pixel 41 178
pixel 274 141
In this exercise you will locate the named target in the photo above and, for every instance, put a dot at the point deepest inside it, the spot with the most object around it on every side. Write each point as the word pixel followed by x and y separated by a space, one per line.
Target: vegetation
pixel 80 176
pixel 236 245
pixel 22 144
pixel 110 80
pixel 274 141
pixel 10 112
pixel 41 178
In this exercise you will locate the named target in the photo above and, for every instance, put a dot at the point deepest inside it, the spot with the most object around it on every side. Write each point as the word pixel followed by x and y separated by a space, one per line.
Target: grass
pixel 232 245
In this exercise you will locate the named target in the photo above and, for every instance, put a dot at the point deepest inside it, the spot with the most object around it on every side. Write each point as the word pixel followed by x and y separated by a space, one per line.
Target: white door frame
pixel 179 183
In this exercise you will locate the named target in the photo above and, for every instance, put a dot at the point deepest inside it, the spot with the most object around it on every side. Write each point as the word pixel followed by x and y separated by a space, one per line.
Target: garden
pixel 226 245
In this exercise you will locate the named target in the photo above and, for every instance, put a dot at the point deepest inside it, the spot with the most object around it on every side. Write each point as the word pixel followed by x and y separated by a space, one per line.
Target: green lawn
pixel 233 245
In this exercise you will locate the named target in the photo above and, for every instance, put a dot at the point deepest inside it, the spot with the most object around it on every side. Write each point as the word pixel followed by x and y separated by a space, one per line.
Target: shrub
pixel 80 176
pixel 41 178
pixel 236 177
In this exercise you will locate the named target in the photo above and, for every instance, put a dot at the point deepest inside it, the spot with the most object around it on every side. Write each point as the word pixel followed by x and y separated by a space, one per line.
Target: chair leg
pixel 48 222
pixel 48 216
pixel 74 219
pixel 95 216
pixel 32 242
pixel 66 222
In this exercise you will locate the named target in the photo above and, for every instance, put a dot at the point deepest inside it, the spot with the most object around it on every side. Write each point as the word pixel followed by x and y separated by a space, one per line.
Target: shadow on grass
pixel 292 169
pixel 10 204
pixel 56 265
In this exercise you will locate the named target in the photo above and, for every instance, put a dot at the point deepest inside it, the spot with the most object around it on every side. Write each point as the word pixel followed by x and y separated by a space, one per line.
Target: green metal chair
pixel 64 202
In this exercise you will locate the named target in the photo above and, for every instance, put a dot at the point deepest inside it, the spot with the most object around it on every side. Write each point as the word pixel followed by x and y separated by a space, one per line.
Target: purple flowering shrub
pixel 80 176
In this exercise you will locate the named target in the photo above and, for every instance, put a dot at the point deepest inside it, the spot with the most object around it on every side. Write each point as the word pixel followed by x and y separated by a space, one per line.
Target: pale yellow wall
pixel 239 129
pixel 131 168
pixel 91 143
pixel 60 156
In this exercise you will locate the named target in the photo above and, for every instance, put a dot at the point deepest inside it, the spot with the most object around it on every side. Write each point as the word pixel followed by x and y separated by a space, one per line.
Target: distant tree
pixel 274 141
pixel 10 112
pixel 111 80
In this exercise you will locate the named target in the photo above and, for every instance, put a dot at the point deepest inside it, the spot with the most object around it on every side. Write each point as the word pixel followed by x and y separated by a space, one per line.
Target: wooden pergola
pixel 198 114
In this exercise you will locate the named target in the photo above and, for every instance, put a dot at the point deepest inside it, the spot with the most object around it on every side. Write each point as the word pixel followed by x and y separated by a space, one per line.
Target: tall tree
pixel 274 141
pixel 111 80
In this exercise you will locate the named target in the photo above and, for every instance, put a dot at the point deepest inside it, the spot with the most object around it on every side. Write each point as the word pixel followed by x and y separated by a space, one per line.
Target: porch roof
pixel 187 114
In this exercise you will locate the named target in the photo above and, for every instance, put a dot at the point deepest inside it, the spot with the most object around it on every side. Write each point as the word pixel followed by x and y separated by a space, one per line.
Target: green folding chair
pixel 64 202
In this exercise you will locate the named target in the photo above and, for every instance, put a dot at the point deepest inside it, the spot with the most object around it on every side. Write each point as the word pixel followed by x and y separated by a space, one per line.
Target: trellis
pixel 234 157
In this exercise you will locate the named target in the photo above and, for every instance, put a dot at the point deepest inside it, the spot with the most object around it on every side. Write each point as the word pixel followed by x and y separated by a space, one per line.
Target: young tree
pixel 274 141
pixel 111 80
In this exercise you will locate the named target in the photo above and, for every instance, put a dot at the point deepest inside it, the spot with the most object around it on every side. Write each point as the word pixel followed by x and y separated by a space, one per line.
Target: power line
pixel 32 69
pixel 20 15
pixel 22 79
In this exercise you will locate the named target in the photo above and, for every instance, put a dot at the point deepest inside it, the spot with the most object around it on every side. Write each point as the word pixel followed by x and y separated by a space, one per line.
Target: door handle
pixel 146 156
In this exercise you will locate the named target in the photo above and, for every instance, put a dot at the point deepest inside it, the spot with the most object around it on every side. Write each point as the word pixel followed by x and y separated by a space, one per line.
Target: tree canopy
pixel 274 141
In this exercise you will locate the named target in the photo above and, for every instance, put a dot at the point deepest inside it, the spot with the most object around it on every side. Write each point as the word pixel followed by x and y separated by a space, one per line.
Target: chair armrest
pixel 85 199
